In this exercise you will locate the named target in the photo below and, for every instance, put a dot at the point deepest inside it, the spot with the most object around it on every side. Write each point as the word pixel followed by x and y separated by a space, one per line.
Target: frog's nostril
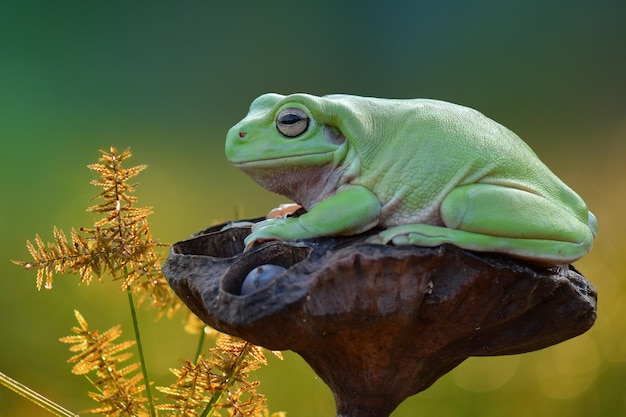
pixel 242 134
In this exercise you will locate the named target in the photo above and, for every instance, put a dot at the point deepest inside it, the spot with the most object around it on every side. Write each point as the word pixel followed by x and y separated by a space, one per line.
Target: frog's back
pixel 414 152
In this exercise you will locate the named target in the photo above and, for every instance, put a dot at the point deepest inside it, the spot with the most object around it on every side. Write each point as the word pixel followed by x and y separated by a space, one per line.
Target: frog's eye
pixel 292 122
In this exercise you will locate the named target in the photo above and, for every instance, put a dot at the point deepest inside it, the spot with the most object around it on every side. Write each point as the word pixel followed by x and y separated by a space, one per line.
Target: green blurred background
pixel 169 78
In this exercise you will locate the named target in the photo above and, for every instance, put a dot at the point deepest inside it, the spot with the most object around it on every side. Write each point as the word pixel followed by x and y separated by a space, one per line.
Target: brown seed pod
pixel 377 323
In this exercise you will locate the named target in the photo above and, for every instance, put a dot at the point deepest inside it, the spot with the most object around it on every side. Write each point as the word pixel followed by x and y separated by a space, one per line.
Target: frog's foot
pixel 430 236
pixel 492 218
pixel 537 250
pixel 415 234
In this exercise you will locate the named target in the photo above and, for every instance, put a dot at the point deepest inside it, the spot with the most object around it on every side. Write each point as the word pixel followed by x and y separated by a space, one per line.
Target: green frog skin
pixel 425 172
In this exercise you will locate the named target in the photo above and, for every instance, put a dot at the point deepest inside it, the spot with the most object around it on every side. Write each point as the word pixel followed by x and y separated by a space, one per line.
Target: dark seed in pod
pixel 260 276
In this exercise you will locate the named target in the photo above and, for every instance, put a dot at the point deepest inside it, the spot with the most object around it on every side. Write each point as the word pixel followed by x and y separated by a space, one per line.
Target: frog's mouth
pixel 309 159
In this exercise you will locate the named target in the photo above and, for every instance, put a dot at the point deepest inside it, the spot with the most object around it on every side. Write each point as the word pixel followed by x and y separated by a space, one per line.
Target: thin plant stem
pixel 35 397
pixel 210 407
pixel 217 395
pixel 200 344
pixel 144 368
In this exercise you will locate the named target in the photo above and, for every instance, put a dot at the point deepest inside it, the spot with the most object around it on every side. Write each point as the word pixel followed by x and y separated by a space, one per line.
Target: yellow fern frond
pixel 219 381
pixel 119 391
pixel 119 244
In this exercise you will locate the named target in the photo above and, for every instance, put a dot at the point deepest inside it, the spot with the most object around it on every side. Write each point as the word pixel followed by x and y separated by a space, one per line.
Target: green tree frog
pixel 425 172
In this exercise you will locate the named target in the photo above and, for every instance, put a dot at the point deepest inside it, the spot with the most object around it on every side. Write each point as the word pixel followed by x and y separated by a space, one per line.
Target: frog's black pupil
pixel 289 119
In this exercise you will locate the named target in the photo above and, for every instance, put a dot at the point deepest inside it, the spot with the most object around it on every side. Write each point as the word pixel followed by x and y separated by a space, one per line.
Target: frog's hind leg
pixel 492 218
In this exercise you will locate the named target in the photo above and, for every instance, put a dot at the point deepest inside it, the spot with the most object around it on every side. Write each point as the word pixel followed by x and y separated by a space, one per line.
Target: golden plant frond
pixel 219 381
pixel 119 391
pixel 119 244
pixel 61 256
pixel 191 391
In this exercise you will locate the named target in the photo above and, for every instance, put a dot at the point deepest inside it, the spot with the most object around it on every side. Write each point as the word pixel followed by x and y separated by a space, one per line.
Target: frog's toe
pixel 412 234
pixel 403 239
pixel 257 226
pixel 256 237
pixel 389 236
pixel 374 239
pixel 378 239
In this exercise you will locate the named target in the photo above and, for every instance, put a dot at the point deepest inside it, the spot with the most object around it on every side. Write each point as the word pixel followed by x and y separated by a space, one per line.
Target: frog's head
pixel 290 143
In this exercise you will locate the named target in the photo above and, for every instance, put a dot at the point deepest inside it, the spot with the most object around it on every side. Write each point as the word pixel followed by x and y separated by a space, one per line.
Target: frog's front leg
pixel 492 218
pixel 351 210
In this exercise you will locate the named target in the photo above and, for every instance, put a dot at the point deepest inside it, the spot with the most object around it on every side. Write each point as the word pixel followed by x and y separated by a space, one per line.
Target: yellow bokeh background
pixel 169 79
